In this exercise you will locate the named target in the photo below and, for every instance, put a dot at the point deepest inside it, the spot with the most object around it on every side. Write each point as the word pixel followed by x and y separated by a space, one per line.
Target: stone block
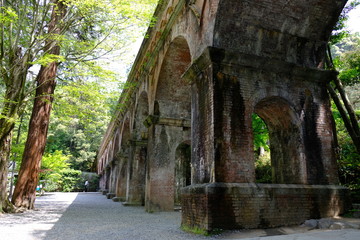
pixel 104 192
pixel 325 223
pixel 311 223
pixel 132 203
pixel 110 195
pixel 118 199
pixel 246 205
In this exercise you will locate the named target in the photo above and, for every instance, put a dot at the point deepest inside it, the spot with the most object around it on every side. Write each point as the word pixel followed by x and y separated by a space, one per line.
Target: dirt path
pixel 90 216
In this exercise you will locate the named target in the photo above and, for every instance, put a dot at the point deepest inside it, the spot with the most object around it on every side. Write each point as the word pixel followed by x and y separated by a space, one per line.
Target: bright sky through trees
pixel 354 20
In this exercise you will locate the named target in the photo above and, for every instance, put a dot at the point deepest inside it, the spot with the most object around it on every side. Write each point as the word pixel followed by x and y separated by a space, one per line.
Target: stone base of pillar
pixel 104 192
pixel 110 195
pixel 248 205
pixel 132 204
pixel 118 199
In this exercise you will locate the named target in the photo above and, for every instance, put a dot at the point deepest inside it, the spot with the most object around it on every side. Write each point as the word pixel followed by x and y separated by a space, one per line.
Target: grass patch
pixel 200 231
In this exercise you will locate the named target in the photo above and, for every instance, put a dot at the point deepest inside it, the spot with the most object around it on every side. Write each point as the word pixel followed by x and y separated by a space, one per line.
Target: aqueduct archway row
pixel 183 134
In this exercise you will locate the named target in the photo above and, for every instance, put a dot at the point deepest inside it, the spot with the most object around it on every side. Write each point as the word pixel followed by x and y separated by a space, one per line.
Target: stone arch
pixel 285 136
pixel 122 162
pixel 137 156
pixel 249 27
pixel 116 142
pixel 182 169
pixel 173 97
pixel 168 127
pixel 141 113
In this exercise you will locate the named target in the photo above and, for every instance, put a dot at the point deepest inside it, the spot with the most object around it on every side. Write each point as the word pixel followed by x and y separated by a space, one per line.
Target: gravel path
pixel 77 216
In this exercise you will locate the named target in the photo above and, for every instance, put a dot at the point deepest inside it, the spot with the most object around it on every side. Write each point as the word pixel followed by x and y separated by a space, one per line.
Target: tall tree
pixel 25 190
pixel 336 88
pixel 79 32
pixel 18 46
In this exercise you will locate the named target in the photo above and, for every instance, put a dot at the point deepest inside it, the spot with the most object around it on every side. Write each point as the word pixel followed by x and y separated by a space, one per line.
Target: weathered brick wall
pixel 121 177
pixel 160 191
pixel 292 101
pixel 136 176
pixel 242 205
pixel 241 57
pixel 291 31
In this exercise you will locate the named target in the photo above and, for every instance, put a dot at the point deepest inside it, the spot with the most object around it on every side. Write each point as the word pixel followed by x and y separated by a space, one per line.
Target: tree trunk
pixel 349 108
pixel 344 106
pixel 25 189
pixel 343 113
pixel 11 110
pixel 4 156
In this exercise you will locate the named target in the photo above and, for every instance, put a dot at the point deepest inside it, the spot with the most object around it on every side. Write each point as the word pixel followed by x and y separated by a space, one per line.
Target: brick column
pixel 136 173
pixel 121 176
pixel 165 134
pixel 227 88
pixel 221 125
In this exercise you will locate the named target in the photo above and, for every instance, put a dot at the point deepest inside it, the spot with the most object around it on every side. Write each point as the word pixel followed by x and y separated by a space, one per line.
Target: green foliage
pixel 339 31
pixel 260 132
pixel 81 113
pixel 91 30
pixel 194 230
pixel 69 179
pixel 348 158
pixel 93 180
pixel 49 58
pixel 52 167
pixel 347 60
pixel 7 15
pixel 263 169
pixel 57 176
pixel 350 68
pixel 262 150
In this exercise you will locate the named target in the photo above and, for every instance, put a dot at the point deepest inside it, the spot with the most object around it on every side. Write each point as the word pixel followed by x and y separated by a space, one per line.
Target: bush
pixel 70 178
pixel 93 179
pixel 263 170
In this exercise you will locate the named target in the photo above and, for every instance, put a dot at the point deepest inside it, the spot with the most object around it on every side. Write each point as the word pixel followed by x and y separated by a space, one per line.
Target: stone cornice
pixel 157 120
pixel 228 60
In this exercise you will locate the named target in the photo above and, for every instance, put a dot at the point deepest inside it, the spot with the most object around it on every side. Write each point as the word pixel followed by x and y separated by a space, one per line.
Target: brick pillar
pixel 121 176
pixel 227 87
pixel 165 135
pixel 113 176
pixel 221 124
pixel 160 172
pixel 136 173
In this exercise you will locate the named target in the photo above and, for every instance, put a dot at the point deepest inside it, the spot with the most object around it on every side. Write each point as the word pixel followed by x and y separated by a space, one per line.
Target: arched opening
pixel 284 139
pixel 137 154
pixel 173 98
pixel 156 108
pixel 142 111
pixel 263 173
pixel 122 162
pixel 172 108
pixel 182 170
pixel 116 143
pixel 107 178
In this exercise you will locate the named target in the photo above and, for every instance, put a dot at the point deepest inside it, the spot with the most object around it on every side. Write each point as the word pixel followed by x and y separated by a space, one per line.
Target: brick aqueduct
pixel 183 135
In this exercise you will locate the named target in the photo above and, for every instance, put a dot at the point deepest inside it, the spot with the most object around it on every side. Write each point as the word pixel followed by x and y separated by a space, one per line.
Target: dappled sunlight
pixel 48 210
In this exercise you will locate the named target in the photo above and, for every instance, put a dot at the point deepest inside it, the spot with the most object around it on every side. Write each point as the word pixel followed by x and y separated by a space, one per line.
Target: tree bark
pixel 349 108
pixel 11 110
pixel 25 189
pixel 343 113
pixel 4 155
pixel 344 106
